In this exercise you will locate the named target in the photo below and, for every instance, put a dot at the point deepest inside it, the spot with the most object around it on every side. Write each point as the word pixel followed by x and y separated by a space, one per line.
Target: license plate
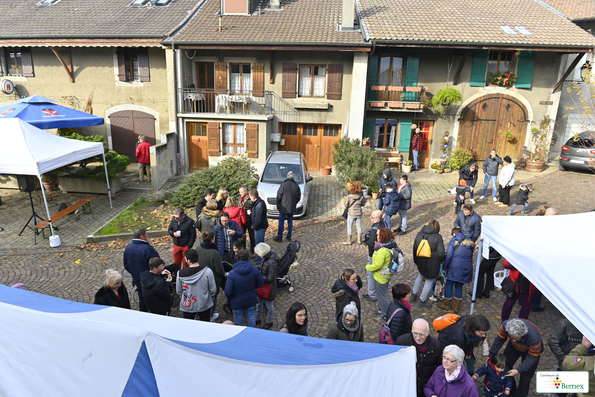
pixel 577 161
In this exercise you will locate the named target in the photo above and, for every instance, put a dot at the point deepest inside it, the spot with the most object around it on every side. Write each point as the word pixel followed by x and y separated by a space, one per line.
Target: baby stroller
pixel 437 290
pixel 287 261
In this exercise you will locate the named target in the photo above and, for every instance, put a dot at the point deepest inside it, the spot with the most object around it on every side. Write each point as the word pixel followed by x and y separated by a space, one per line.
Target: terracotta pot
pixel 49 186
pixel 439 171
pixel 375 195
pixel 534 166
pixel 326 170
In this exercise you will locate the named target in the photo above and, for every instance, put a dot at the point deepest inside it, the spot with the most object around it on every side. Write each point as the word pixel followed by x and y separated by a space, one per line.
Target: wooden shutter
pixel 369 128
pixel 373 76
pixel 525 69
pixel 335 81
pixel 221 76
pixel 121 65
pixel 143 64
pixel 289 80
pixel 27 62
pixel 478 71
pixel 258 79
pixel 405 136
pixel 411 76
pixel 252 140
pixel 213 136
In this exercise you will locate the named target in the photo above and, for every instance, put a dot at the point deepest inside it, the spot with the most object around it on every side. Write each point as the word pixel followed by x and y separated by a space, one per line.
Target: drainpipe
pixel 178 101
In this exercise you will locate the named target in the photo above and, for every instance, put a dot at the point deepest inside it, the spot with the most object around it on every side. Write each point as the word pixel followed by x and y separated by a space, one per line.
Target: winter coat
pixel 530 343
pixel 241 286
pixel 471 225
pixel 199 206
pixel 463 385
pixel 429 267
pixel 579 359
pixel 106 296
pixel 338 331
pixel 427 362
pixel 269 272
pixel 259 215
pixel 156 292
pixel 387 177
pixel 523 195
pixel 391 203
pixel 209 256
pixel 406 193
pixel 466 174
pixel 136 258
pixel 219 231
pixel 458 264
pixel 237 215
pixel 207 220
pixel 495 382
pixel 196 287
pixel 344 295
pixel 506 177
pixel 380 262
pixel 188 237
pixel 522 284
pixel 455 334
pixel 221 204
pixel 564 338
pixel 288 196
pixel 373 237
pixel 490 166
pixel 142 153
pixel 401 322
pixel 246 205
pixel 302 331
pixel 354 204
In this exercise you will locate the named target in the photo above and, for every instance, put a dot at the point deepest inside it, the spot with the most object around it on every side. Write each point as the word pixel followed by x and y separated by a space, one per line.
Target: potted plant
pixel 49 180
pixel 445 97
pixel 407 166
pixel 504 79
pixel 373 187
pixel 435 166
pixel 510 136
pixel 366 142
pixel 541 146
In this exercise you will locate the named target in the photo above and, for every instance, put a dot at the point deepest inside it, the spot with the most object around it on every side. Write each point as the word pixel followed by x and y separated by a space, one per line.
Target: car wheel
pixel 562 168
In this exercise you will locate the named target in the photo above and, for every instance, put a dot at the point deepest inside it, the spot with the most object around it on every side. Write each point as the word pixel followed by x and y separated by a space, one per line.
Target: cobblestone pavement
pixel 75 273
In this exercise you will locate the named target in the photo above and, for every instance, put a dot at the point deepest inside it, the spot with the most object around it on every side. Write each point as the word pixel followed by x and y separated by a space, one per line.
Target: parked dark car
pixel 579 152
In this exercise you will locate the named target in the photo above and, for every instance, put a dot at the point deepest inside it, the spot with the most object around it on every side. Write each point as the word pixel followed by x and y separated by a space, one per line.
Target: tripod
pixel 33 217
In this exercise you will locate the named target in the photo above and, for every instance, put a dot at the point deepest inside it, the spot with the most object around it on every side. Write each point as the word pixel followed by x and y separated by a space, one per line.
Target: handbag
pixel 264 291
pixel 346 211
pixel 508 287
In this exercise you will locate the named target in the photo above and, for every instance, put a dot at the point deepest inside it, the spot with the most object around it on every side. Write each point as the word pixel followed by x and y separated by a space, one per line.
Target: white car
pixel 275 172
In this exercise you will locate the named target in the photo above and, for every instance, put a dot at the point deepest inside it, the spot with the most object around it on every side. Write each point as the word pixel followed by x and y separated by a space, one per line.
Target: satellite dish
pixel 7 87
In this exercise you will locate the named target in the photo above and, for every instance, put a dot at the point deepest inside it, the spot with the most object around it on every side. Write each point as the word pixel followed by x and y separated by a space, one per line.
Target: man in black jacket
pixel 564 338
pixel 209 195
pixel 157 289
pixel 427 349
pixel 490 169
pixel 246 207
pixel 377 223
pixel 259 218
pixel 136 260
pixel 182 229
pixel 288 196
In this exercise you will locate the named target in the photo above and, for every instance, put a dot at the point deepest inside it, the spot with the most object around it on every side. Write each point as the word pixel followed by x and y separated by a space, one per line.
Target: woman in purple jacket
pixel 451 379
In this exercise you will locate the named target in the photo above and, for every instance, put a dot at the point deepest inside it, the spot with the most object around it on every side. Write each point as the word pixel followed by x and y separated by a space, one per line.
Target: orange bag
pixel 445 321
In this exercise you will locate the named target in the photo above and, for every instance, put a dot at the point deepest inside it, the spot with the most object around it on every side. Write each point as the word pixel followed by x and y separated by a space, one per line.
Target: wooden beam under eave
pixel 67 67
pixel 455 80
pixel 568 71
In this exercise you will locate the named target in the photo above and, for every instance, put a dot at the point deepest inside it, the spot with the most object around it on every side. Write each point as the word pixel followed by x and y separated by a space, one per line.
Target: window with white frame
pixel 312 78
pixel 234 139
pixel 241 78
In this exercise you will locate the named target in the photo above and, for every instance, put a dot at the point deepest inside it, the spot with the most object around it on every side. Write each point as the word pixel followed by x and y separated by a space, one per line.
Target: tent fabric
pixel 27 150
pixel 554 253
pixel 91 350
pixel 45 114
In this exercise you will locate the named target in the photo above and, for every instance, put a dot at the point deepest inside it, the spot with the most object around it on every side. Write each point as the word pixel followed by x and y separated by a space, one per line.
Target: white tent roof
pixel 556 254
pixel 27 150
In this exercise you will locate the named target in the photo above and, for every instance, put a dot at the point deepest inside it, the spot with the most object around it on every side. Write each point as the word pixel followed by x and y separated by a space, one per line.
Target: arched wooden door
pixel 126 126
pixel 483 125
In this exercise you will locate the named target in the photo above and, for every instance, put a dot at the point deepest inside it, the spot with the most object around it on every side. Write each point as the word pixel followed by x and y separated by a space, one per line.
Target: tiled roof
pixel 299 22
pixel 89 18
pixel 471 22
pixel 574 9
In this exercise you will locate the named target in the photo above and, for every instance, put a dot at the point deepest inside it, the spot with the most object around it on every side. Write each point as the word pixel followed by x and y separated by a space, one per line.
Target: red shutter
pixel 258 79
pixel 252 140
pixel 221 76
pixel 121 66
pixel 143 64
pixel 335 81
pixel 27 62
pixel 213 136
pixel 289 80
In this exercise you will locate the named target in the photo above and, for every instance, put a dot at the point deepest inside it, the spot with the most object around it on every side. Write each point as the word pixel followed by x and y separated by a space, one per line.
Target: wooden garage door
pixel 126 127
pixel 314 141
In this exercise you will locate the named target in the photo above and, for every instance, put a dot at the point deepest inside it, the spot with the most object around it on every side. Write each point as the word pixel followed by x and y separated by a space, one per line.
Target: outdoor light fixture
pixel 220 20
pixel 586 70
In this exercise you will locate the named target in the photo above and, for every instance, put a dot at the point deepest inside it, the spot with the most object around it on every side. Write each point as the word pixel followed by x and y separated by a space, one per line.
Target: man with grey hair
pixel 427 349
pixel 551 211
pixel 372 234
pixel 144 158
pixel 524 342
pixel 288 196
pixel 182 229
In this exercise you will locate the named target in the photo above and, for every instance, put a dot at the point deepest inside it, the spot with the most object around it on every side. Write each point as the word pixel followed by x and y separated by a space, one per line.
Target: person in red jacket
pixel 144 159
pixel 235 212
pixel 524 290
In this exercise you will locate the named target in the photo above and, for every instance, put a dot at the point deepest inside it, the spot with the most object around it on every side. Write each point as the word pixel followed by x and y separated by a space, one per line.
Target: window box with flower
pixel 503 79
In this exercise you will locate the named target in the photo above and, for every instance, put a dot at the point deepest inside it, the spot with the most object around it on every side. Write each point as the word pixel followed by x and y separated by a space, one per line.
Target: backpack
pixel 445 321
pixel 384 335
pixel 423 249
pixel 366 234
pixel 397 261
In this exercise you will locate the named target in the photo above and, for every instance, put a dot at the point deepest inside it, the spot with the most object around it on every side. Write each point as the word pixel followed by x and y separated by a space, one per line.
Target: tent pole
pixel 476 275
pixel 109 192
pixel 45 200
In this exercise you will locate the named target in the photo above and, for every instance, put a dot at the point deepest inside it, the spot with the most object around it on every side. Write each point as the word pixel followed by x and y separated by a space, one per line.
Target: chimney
pixel 275 4
pixel 348 15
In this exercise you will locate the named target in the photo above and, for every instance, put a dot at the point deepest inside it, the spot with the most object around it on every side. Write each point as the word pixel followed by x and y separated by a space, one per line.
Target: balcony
pixel 224 102
pixel 395 98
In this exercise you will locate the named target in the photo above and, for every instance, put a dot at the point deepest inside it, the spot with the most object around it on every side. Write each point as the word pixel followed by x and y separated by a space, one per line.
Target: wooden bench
pixel 391 158
pixel 86 202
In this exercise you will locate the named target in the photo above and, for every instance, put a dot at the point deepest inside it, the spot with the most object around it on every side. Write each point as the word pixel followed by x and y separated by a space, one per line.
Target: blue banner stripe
pixel 43 303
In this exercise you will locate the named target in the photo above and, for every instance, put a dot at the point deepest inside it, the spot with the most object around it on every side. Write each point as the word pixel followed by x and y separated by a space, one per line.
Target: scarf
pixel 407 304
pixel 354 288
pixel 401 186
pixel 379 245
pixel 421 348
pixel 455 374
pixel 352 330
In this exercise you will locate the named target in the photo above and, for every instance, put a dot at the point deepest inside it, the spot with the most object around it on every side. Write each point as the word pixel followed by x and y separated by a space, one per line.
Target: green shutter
pixel 372 76
pixel 369 128
pixel 405 136
pixel 525 69
pixel 478 71
pixel 411 72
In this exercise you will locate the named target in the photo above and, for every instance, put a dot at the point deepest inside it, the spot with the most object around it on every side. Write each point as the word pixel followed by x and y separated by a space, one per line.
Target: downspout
pixel 176 105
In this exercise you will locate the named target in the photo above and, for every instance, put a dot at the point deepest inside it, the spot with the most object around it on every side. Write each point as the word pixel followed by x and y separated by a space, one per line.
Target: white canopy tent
pixel 555 254
pixel 27 150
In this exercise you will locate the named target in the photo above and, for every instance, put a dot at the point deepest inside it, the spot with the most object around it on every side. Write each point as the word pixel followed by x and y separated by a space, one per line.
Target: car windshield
pixel 277 173
pixel 582 142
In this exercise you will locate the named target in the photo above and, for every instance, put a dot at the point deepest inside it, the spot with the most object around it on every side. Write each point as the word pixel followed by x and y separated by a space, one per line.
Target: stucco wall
pixel 163 157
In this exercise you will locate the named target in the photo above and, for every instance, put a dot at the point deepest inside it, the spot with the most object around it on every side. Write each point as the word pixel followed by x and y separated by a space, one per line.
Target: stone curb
pixel 124 236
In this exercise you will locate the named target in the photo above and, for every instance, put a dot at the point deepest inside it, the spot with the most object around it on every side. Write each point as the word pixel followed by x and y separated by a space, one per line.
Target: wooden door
pixel 198 156
pixel 426 129
pixel 205 83
pixel 126 127
pixel 330 135
pixel 289 132
pixel 310 145
pixel 511 118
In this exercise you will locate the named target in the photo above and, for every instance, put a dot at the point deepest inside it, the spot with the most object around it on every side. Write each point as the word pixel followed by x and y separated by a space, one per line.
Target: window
pixel 331 130
pixel 289 129
pixel 310 130
pixel 500 61
pixel 18 62
pixel 133 64
pixel 241 78
pixel 385 131
pixel 390 71
pixel 197 129
pixel 234 139
pixel 312 80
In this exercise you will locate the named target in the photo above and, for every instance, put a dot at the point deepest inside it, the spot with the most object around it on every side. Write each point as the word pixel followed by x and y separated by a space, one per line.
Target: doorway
pixel 126 127
pixel 198 156
pixel 314 141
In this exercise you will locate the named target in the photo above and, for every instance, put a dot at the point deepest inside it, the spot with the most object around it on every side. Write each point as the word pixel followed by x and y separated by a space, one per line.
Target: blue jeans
pixel 238 316
pixel 514 207
pixel 380 203
pixel 494 185
pixel 387 220
pixel 415 155
pixel 448 289
pixel 259 238
pixel 282 218
pixel 403 220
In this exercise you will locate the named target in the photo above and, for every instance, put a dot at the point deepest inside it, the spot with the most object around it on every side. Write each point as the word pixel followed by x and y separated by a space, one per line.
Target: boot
pixel 445 304
pixel 348 242
pixel 413 298
pixel 456 303
pixel 359 238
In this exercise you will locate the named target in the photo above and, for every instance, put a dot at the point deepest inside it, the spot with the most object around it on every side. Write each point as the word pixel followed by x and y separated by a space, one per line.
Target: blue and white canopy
pixel 54 347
